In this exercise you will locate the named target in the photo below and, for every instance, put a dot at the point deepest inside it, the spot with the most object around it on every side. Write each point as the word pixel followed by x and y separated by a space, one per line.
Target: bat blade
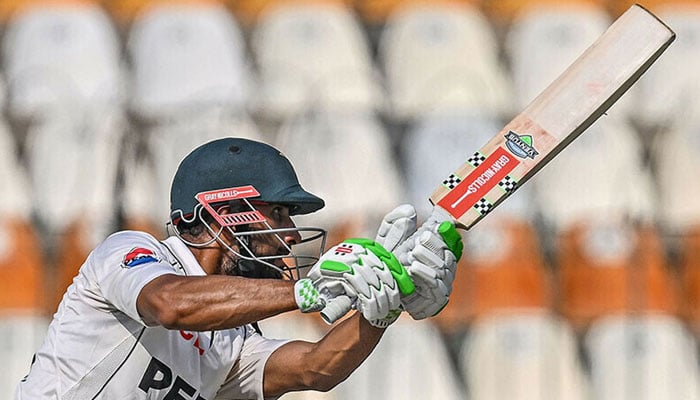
pixel 564 110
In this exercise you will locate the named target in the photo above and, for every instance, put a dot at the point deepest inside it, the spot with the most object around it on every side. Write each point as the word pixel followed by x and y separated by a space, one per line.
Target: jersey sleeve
pixel 245 380
pixel 122 265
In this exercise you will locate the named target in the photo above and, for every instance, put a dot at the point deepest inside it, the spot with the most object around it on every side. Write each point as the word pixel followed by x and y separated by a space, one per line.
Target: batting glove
pixel 366 273
pixel 429 255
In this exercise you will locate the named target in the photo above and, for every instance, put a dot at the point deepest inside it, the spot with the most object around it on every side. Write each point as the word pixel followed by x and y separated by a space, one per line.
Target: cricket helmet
pixel 237 162
pixel 244 171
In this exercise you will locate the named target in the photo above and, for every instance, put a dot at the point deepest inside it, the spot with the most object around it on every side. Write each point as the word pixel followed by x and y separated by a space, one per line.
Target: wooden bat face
pixel 564 110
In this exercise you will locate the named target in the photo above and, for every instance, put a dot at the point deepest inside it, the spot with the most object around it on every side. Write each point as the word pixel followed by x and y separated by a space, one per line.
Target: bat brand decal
pixel 520 145
pixel 479 182
pixel 138 256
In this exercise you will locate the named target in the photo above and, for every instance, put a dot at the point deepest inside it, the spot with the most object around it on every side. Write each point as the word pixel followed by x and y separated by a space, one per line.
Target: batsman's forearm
pixel 346 346
pixel 321 366
pixel 212 302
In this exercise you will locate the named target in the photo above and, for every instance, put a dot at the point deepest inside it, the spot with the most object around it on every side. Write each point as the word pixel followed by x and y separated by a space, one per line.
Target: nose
pixel 291 237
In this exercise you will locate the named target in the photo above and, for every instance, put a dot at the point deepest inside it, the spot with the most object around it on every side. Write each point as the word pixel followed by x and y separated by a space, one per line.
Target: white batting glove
pixel 365 272
pixel 429 255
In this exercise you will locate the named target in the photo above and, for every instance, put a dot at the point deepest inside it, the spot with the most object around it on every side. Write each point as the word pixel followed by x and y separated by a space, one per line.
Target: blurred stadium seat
pixel 543 39
pixel 503 273
pixel 650 357
pixel 65 92
pixel 667 95
pixel 523 357
pixel 613 269
pixel 313 56
pixel 23 278
pixel 191 83
pixel 689 270
pixel 442 56
pixel 666 103
pixel 186 57
pixel 346 159
pixel 674 152
pixel 410 363
pixel 602 175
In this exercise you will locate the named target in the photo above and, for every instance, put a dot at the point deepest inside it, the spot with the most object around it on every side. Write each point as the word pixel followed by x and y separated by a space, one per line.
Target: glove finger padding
pixel 430 257
pixel 397 226
pixel 379 282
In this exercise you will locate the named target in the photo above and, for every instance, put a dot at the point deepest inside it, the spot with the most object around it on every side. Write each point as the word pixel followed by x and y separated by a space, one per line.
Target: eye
pixel 278 212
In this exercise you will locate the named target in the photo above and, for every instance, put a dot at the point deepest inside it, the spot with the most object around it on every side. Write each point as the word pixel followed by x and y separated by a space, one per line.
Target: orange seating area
pixel 637 280
pixel 509 279
pixel 377 11
pixel 24 280
pixel 504 11
pixel 617 7
pixel 248 11
pixel 689 268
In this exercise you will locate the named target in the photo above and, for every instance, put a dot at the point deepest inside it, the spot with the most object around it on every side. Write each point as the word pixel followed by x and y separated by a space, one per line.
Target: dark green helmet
pixel 236 162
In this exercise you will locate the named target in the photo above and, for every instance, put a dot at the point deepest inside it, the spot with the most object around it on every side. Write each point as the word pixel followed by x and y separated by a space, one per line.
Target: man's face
pixel 261 244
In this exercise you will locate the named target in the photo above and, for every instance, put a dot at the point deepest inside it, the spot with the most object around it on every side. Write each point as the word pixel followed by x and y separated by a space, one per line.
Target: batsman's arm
pixel 301 365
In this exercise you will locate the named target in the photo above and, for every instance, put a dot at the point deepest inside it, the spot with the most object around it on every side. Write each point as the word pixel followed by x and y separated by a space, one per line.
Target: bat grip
pixel 336 308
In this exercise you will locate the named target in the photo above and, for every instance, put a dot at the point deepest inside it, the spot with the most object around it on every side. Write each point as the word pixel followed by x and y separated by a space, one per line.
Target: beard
pixel 234 266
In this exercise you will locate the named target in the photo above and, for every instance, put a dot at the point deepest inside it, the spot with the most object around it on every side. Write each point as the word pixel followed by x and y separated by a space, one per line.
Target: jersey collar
pixel 184 256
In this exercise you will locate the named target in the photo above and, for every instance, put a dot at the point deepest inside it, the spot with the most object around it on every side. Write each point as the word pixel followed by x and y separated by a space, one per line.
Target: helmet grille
pixel 241 218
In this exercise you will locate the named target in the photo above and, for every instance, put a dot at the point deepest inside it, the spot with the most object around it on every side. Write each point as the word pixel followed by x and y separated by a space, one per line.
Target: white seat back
pixel 601 174
pixel 651 357
pixel 439 57
pixel 543 41
pixel 668 93
pixel 185 57
pixel 410 363
pixel 15 185
pixel 61 56
pixel 313 56
pixel 522 357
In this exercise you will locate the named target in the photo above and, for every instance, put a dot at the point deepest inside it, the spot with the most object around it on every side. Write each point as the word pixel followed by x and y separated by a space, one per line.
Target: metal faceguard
pixel 310 248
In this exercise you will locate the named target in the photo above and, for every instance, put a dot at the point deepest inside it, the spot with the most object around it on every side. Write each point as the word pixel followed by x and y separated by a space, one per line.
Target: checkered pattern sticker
pixel 476 159
pixel 452 181
pixel 508 184
pixel 483 206
pixel 307 297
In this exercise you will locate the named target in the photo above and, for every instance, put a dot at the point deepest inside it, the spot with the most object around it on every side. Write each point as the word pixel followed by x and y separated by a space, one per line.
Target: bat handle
pixel 336 308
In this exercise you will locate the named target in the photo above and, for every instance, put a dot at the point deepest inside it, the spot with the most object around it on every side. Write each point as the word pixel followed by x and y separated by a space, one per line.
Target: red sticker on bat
pixel 479 182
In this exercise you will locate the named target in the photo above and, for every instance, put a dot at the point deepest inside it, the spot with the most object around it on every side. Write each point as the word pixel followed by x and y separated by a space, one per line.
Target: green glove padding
pixel 452 238
pixel 399 273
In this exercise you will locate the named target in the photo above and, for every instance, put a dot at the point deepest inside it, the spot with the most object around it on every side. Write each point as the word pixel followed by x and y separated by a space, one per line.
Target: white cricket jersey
pixel 98 347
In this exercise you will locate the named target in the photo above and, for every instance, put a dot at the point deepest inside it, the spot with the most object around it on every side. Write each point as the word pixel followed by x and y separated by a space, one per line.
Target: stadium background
pixel 583 285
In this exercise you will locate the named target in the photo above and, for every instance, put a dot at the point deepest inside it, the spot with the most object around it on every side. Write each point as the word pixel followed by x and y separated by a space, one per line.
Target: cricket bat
pixel 557 116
